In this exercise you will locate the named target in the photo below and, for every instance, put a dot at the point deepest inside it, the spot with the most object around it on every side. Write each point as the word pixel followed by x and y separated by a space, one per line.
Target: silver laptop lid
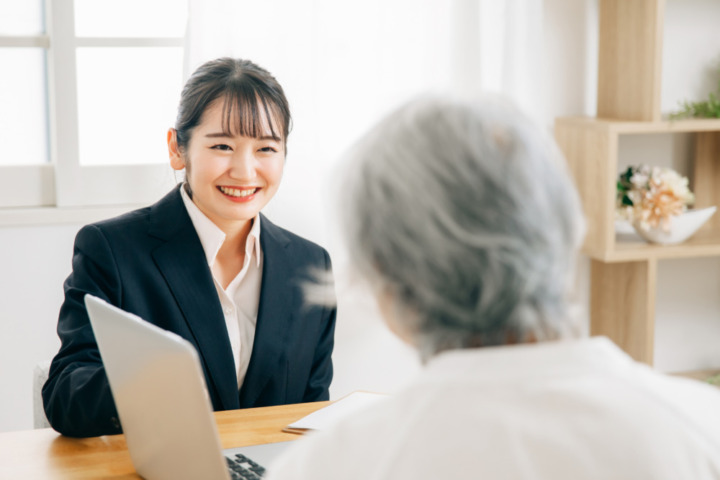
pixel 160 394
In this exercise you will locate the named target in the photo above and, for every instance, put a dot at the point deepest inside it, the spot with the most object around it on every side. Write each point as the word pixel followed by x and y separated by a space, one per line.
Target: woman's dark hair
pixel 244 88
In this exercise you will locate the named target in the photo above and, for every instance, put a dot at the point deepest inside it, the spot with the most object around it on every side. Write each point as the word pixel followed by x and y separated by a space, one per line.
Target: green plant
pixel 714 380
pixel 709 108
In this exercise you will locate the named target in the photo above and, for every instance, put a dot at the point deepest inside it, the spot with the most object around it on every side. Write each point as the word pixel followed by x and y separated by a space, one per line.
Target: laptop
pixel 163 404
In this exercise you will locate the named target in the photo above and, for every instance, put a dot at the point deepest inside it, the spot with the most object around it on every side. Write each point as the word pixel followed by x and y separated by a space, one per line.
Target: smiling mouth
pixel 238 192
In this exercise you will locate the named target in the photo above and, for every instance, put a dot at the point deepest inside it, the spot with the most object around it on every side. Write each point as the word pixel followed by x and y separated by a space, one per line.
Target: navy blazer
pixel 150 262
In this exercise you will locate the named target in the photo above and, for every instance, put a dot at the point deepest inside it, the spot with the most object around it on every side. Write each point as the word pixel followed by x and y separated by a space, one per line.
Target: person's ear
pixel 177 161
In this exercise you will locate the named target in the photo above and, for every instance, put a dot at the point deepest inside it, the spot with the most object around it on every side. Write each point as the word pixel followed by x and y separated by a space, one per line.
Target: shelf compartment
pixel 590 146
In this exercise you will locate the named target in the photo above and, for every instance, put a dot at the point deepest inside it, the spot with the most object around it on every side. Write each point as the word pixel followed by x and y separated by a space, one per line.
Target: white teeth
pixel 236 192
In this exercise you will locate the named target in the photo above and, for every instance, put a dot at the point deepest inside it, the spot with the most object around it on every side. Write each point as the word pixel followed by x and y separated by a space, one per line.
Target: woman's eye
pixel 268 149
pixel 221 146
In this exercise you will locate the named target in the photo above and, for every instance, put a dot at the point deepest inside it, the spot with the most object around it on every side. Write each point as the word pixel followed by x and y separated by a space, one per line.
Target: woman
pixel 466 225
pixel 203 262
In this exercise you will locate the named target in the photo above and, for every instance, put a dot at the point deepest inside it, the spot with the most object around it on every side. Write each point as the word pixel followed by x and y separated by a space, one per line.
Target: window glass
pixel 21 18
pixel 127 100
pixel 130 18
pixel 23 116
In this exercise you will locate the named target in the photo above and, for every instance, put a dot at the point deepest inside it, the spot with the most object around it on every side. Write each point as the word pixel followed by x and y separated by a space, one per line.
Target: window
pixel 95 87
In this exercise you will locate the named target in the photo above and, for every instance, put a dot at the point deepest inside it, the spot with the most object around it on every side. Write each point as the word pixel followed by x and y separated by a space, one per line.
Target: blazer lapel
pixel 275 312
pixel 182 262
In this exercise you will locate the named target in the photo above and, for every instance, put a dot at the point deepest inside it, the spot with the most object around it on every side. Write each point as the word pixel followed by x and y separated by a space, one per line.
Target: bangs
pixel 249 113
pixel 251 101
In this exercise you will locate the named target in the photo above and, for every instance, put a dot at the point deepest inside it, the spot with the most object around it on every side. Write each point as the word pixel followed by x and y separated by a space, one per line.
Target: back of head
pixel 464 215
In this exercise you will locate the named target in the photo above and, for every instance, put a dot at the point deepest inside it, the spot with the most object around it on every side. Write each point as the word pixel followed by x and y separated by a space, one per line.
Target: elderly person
pixel 464 221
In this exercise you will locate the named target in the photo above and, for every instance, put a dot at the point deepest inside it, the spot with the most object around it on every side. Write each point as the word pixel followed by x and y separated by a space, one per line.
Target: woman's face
pixel 232 177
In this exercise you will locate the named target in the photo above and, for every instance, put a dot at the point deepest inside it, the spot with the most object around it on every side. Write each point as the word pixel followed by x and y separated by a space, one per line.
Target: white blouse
pixel 240 299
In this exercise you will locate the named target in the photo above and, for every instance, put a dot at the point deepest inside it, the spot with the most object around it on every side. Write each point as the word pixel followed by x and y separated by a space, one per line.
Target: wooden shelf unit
pixel 623 274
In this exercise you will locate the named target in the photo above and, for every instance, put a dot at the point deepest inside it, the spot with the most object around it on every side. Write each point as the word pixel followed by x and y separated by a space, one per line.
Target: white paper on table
pixel 325 417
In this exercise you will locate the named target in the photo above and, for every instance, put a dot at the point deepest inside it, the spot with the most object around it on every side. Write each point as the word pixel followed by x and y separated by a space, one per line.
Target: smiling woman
pixel 204 263
pixel 233 149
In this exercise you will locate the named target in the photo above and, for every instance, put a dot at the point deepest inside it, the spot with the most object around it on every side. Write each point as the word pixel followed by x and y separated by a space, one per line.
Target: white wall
pixel 35 260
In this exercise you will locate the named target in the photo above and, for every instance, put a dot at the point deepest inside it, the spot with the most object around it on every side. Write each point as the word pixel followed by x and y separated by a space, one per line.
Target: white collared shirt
pixel 239 301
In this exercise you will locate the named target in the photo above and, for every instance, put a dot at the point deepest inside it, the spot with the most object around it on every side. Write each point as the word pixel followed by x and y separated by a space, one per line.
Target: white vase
pixel 682 227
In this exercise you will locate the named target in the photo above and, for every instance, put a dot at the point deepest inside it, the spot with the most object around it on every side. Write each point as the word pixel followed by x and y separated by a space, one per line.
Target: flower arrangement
pixel 651 196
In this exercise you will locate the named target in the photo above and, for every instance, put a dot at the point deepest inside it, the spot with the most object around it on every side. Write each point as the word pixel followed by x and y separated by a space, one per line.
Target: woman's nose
pixel 243 165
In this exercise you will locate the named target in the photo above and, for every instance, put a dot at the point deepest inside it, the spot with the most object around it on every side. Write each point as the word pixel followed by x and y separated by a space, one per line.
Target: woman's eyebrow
pixel 229 135
pixel 218 135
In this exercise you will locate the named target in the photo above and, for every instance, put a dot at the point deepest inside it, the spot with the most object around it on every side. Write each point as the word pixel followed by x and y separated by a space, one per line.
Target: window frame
pixel 63 181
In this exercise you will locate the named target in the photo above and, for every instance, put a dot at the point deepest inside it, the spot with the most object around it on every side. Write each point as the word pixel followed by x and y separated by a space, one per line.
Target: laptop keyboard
pixel 242 468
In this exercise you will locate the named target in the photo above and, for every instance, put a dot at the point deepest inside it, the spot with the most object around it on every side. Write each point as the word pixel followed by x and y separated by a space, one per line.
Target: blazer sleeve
pixel 77 397
pixel 318 386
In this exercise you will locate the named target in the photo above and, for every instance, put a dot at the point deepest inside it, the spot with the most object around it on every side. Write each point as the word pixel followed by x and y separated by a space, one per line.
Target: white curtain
pixel 343 64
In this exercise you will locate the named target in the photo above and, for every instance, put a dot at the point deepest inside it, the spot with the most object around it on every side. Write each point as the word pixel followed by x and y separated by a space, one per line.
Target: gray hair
pixel 465 215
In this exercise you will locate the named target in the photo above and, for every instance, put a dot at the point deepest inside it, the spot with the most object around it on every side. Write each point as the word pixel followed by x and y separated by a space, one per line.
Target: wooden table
pixel 45 454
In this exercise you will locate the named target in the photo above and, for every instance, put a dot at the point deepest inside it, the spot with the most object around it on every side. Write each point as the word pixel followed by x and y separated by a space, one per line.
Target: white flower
pixel 657 195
